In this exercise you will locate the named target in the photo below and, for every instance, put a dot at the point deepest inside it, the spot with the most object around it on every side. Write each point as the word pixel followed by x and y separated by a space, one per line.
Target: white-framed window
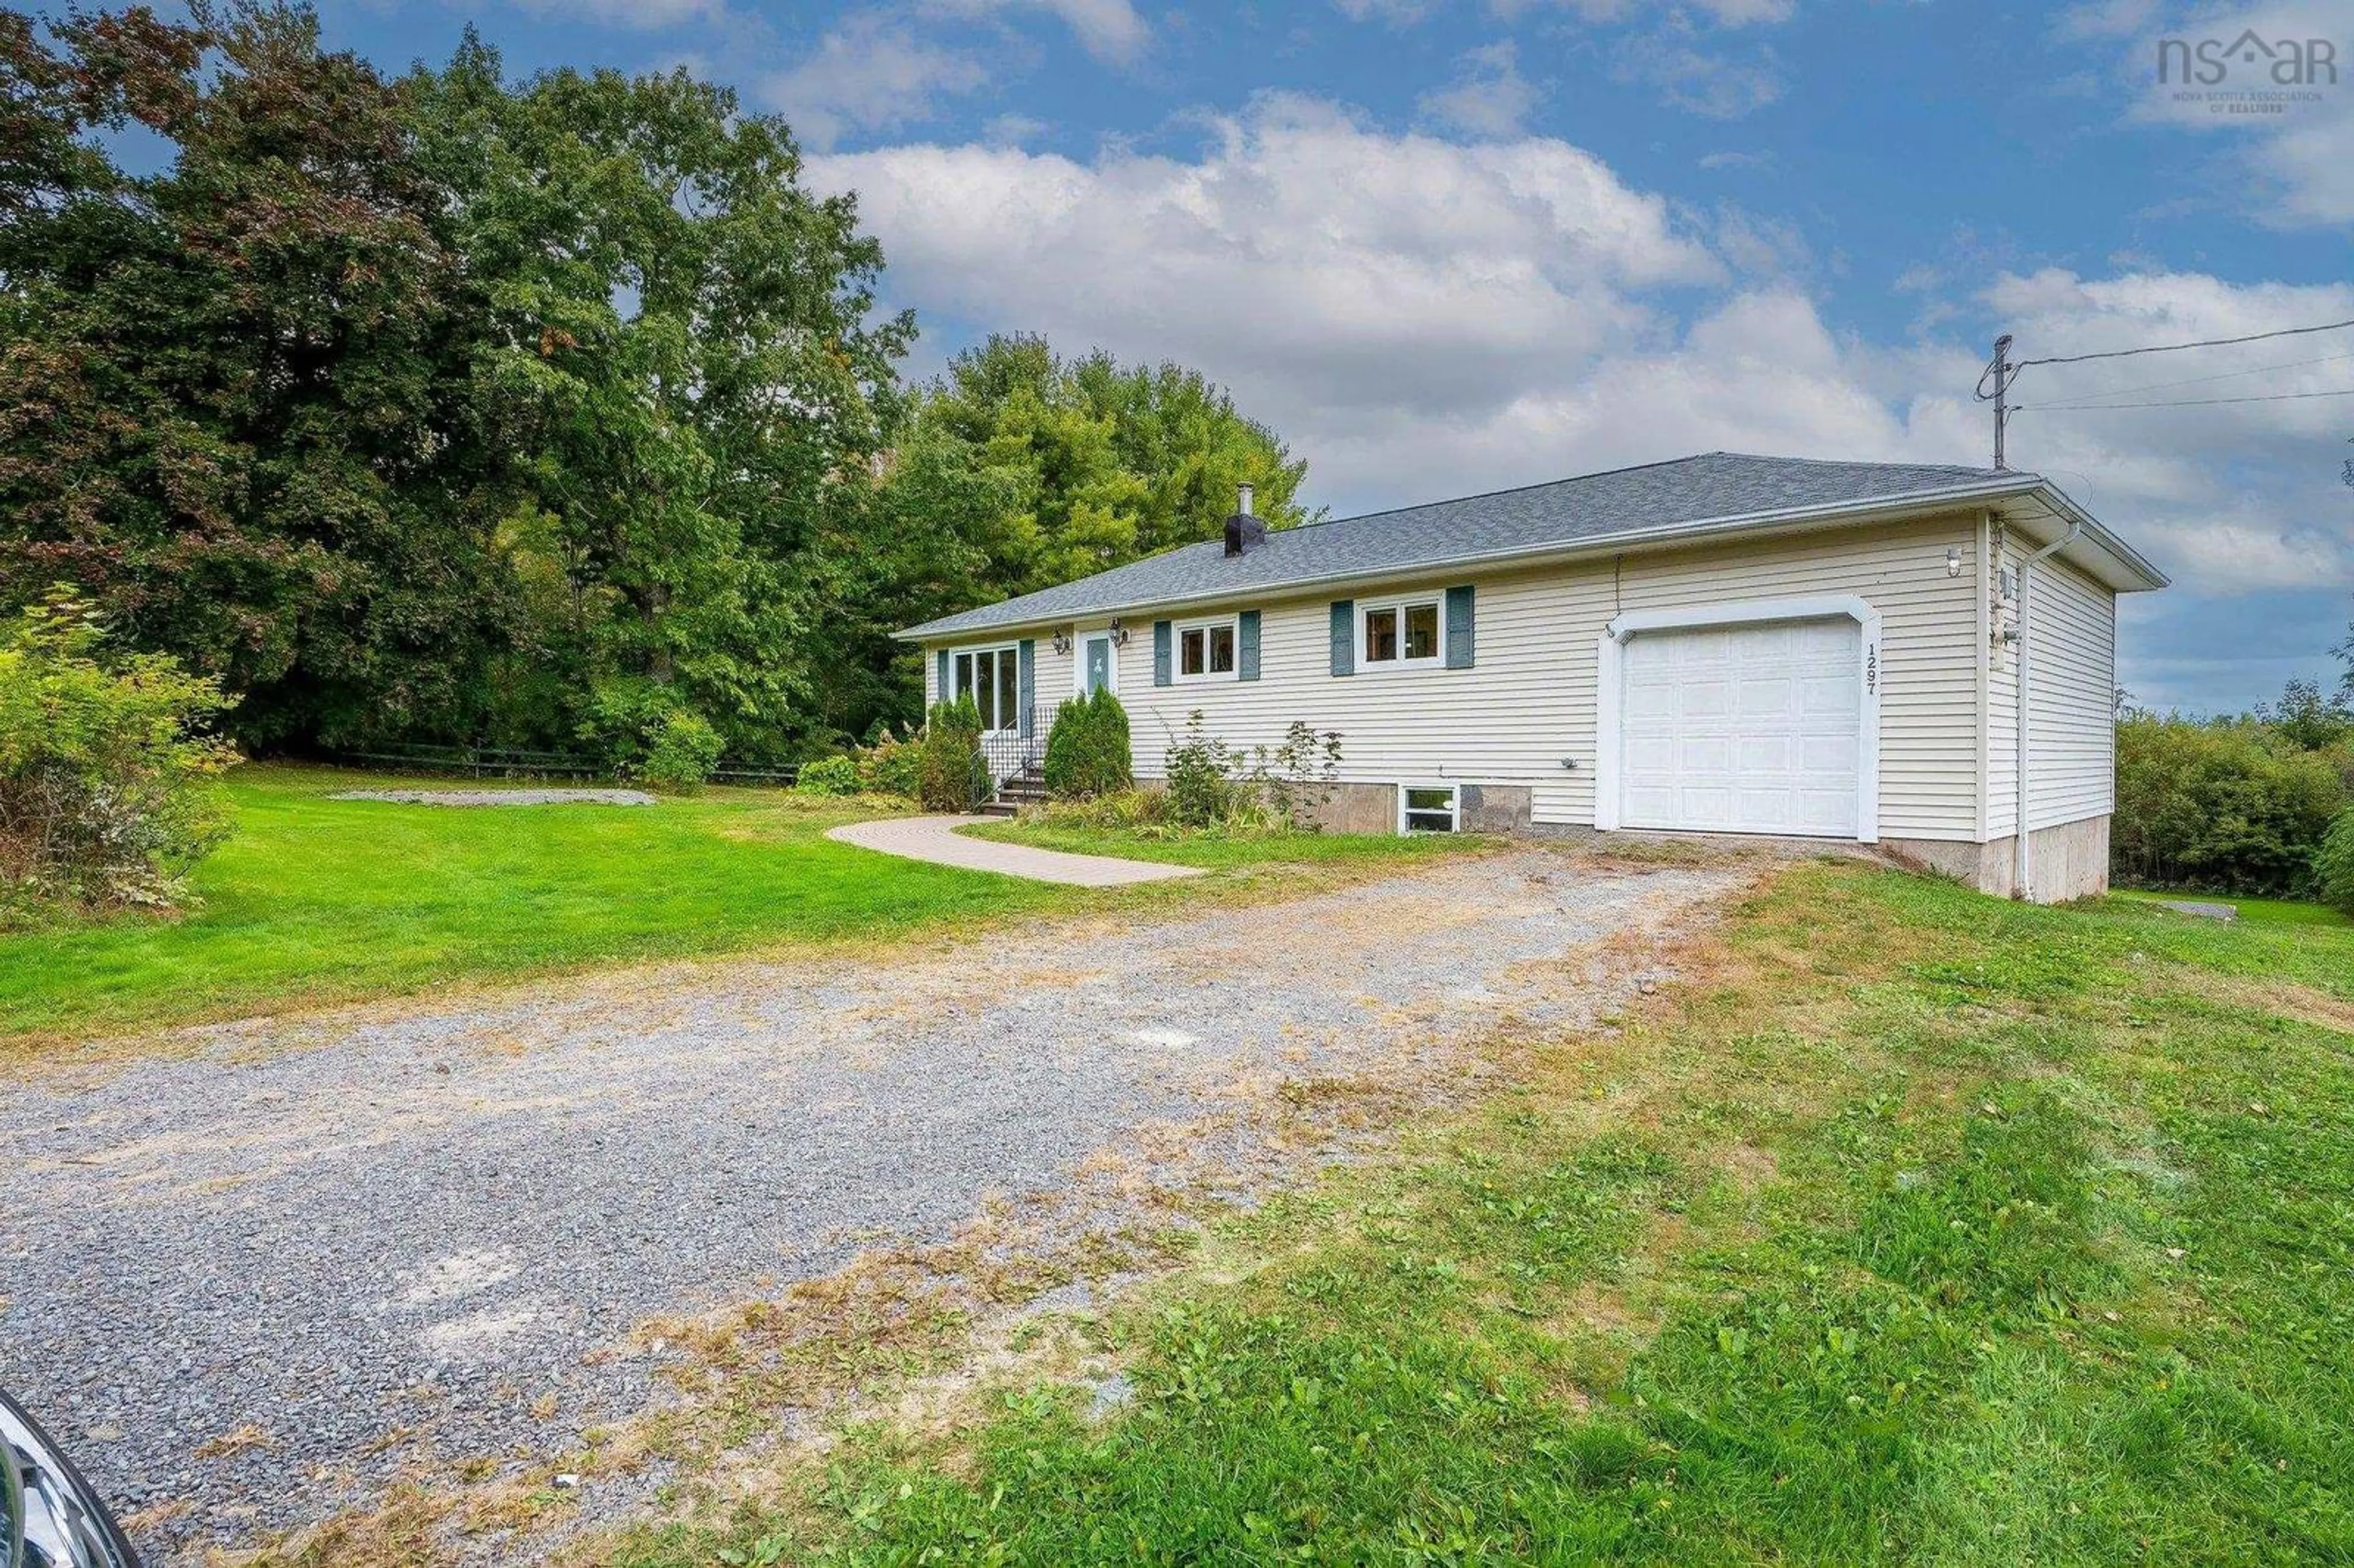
pixel 993 678
pixel 1430 808
pixel 1206 651
pixel 1401 633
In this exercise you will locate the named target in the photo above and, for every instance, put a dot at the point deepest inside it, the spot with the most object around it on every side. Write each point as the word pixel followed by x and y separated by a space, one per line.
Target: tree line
pixel 452 408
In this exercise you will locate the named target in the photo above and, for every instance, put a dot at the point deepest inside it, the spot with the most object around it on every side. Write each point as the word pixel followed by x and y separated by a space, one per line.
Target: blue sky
pixel 1446 246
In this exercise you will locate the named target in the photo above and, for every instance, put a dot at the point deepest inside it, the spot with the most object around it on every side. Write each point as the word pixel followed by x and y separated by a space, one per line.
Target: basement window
pixel 1429 809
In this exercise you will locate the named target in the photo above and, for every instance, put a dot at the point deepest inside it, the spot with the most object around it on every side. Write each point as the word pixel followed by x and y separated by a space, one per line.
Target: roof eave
pixel 2142 576
pixel 1891 508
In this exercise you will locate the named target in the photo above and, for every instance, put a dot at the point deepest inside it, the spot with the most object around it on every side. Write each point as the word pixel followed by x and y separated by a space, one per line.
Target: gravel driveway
pixel 321 1233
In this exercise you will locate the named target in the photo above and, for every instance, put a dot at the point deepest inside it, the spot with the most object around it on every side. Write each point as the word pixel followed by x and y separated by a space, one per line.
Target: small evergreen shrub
pixel 2333 865
pixel 829 776
pixel 683 752
pixel 104 767
pixel 1087 751
pixel 954 775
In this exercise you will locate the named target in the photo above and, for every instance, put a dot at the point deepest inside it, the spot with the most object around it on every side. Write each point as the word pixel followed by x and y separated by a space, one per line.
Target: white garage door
pixel 1750 729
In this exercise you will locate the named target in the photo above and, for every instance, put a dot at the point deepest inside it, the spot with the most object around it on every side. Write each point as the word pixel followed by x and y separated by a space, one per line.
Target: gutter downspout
pixel 2022 861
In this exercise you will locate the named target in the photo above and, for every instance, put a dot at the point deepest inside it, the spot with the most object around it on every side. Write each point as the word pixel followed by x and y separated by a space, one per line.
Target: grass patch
pixel 2271 911
pixel 1909 1226
pixel 316 900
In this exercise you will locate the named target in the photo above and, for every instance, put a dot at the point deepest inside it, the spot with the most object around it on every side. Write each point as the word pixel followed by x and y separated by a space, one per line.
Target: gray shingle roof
pixel 1594 509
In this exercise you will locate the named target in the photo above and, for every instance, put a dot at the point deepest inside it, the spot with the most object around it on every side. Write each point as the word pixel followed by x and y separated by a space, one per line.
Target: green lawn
pixel 316 900
pixel 2279 911
pixel 1909 1226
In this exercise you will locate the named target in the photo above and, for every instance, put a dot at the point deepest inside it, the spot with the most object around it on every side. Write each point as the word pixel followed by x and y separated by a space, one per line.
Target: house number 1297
pixel 1871 671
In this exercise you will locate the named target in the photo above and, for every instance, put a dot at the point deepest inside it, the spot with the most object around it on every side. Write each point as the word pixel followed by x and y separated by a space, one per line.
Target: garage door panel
pixel 1831 698
pixel 1651 801
pixel 1830 757
pixel 1707 807
pixel 1743 728
pixel 1650 754
pixel 1767 698
pixel 1827 812
pixel 1705 697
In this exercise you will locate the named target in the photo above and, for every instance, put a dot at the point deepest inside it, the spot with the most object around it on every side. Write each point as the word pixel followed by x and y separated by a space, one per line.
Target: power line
pixel 2223 376
pixel 2188 402
pixel 2177 348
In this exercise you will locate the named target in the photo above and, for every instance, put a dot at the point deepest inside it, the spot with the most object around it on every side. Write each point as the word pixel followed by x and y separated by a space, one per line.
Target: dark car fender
pixel 50 1517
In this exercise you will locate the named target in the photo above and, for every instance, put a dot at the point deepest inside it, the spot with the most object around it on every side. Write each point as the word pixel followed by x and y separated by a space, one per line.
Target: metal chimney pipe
pixel 1243 499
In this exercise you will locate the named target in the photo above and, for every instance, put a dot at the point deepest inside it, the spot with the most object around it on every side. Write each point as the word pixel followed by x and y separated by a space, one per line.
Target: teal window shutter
pixel 943 694
pixel 1160 630
pixel 1459 628
pixel 1344 637
pixel 1246 649
pixel 1027 663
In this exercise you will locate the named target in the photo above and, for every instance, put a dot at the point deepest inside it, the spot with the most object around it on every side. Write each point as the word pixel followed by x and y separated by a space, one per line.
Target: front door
pixel 1097 666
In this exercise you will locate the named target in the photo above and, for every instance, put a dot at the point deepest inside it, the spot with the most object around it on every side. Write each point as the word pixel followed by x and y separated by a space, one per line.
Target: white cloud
pixel 1339 268
pixel 644 13
pixel 2294 160
pixel 868 75
pixel 1729 160
pixel 1395 12
pixel 2242 494
pixel 1488 96
pixel 2106 20
pixel 1014 130
pixel 1701 81
pixel 1722 13
pixel 1111 30
pixel 1422 318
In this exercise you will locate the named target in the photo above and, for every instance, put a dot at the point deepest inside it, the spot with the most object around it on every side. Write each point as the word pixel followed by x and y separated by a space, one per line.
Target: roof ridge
pixel 1511 489
pixel 1853 462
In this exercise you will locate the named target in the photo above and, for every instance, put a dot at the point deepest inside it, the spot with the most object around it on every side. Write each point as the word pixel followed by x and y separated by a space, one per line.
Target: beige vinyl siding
pixel 2071 697
pixel 1528 705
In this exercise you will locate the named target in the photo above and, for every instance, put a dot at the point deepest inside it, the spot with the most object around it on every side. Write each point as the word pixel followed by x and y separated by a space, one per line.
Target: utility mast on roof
pixel 1998 372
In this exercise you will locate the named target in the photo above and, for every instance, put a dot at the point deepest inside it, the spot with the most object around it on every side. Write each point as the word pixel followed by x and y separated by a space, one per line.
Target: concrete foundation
pixel 1358 809
pixel 2069 861
pixel 1497 808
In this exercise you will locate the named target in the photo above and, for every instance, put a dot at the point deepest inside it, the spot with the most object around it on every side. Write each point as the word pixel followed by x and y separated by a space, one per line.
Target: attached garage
pixel 1753 717
pixel 1748 728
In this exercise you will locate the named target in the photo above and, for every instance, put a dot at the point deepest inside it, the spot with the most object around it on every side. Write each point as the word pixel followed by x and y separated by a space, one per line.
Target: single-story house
pixel 1723 644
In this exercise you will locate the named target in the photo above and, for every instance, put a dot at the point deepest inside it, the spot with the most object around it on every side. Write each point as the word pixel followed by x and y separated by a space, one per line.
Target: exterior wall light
pixel 1954 560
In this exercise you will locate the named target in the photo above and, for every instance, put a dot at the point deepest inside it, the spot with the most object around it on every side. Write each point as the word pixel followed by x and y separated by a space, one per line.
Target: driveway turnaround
pixel 936 839
pixel 248 1287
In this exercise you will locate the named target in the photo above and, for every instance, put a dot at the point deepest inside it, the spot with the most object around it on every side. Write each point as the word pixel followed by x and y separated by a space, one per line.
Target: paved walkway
pixel 936 839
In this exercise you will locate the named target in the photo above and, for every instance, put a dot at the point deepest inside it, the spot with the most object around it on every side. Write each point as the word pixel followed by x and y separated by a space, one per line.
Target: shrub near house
pixel 954 775
pixel 103 767
pixel 1088 750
